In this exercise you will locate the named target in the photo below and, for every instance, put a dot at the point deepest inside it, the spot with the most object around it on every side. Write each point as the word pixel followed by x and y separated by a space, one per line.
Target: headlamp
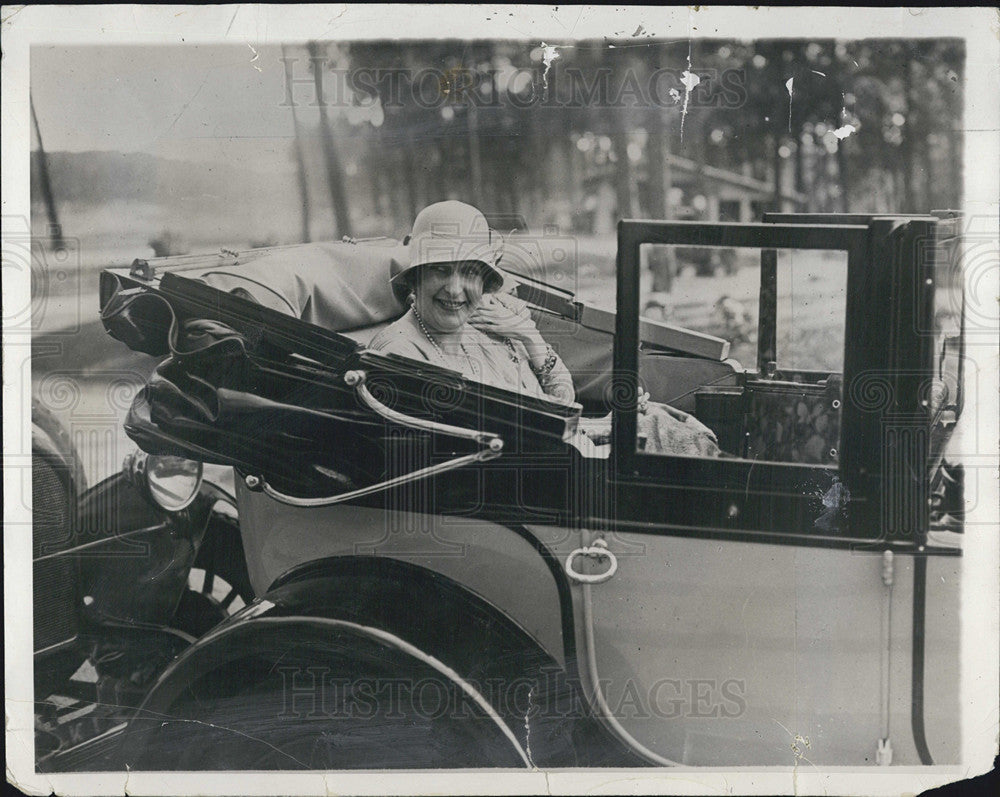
pixel 171 482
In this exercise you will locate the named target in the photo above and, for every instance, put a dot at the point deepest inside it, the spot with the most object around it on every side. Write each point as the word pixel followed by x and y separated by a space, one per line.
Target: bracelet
pixel 511 351
pixel 546 367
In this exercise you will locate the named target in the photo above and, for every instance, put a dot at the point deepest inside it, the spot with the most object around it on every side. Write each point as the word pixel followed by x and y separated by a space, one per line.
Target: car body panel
pixel 722 654
pixel 489 559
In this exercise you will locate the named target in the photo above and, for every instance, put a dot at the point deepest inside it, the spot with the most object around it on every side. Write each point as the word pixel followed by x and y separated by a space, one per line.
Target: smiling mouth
pixel 449 305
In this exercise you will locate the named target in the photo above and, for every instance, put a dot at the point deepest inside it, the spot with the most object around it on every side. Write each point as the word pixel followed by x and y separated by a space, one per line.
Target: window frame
pixel 760 500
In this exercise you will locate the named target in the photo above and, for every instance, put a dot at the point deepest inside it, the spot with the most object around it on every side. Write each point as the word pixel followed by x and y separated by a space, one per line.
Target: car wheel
pixel 218 583
pixel 321 699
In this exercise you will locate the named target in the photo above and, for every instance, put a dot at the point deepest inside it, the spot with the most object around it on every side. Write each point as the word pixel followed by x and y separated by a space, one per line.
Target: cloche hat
pixel 450 232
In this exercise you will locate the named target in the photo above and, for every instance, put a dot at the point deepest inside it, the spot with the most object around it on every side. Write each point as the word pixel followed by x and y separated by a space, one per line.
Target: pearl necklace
pixel 472 363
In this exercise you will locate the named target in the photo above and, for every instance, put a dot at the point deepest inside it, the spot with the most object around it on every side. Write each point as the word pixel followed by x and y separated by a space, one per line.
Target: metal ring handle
pixel 599 550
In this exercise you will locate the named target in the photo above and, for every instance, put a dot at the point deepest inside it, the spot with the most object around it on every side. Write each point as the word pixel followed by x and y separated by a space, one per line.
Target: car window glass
pixel 784 403
pixel 812 303
pixel 705 289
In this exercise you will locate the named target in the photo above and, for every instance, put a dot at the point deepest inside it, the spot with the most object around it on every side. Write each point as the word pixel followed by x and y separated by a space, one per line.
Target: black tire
pixel 314 698
pixel 50 436
pixel 57 482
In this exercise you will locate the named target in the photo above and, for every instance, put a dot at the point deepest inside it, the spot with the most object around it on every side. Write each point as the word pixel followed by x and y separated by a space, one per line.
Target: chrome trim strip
pixel 103 541
pixel 442 467
pixel 55 646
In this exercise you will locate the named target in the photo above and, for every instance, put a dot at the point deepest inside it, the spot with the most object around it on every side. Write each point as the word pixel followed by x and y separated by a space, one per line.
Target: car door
pixel 782 604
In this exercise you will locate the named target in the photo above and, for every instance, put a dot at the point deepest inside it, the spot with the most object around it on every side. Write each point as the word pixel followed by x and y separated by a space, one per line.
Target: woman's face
pixel 446 293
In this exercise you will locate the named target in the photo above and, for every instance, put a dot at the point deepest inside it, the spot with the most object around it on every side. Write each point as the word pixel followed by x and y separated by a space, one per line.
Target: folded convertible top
pixel 334 285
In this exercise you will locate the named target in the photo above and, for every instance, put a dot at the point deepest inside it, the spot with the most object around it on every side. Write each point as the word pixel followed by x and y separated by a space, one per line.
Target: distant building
pixel 728 195
pixel 699 191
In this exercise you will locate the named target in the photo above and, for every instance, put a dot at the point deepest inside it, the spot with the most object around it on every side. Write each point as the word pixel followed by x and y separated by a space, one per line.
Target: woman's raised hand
pixel 505 316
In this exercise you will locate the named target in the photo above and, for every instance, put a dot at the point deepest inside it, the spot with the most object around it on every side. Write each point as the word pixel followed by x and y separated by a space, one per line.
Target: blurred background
pixel 156 150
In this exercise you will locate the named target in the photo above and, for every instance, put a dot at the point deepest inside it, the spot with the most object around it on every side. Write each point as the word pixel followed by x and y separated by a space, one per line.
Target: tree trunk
pixel 300 160
pixel 932 196
pixel 656 165
pixel 776 168
pixel 372 166
pixel 422 158
pixel 663 262
pixel 334 172
pixel 574 185
pixel 540 158
pixel 800 180
pixel 410 178
pixel 55 228
pixel 907 147
pixel 955 145
pixel 843 177
pixel 905 187
pixel 400 214
pixel 475 159
pixel 622 170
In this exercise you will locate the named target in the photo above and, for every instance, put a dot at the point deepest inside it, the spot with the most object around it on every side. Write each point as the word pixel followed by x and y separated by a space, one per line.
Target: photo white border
pixel 263 24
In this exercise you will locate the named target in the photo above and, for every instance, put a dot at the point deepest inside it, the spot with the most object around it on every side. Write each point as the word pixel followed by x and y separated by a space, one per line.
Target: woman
pixel 457 320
